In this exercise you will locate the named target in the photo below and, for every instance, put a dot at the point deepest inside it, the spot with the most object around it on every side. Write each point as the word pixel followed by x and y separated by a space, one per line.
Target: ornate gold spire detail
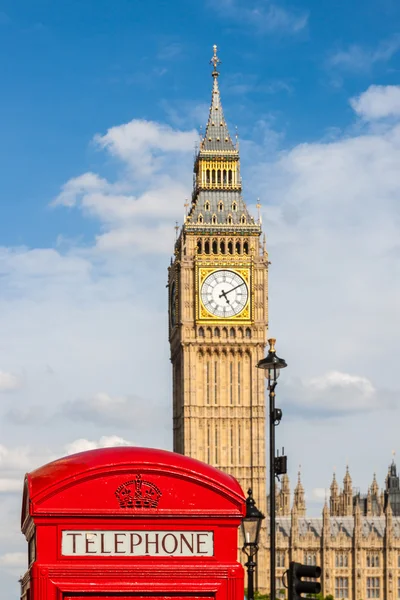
pixel 215 62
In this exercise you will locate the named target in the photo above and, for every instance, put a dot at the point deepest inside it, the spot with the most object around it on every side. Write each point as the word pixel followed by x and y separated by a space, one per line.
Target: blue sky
pixel 100 106
pixel 70 69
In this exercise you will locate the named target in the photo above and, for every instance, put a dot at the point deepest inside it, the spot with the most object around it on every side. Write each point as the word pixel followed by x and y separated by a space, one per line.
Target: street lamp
pixel 272 365
pixel 251 526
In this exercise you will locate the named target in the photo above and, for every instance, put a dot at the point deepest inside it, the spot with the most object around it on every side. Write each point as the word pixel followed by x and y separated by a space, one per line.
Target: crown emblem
pixel 138 494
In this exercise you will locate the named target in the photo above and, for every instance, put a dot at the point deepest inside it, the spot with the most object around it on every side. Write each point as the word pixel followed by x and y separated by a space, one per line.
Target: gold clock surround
pixel 244 271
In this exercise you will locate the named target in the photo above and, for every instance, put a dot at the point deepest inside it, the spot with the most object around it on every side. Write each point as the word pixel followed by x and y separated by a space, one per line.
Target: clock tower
pixel 218 317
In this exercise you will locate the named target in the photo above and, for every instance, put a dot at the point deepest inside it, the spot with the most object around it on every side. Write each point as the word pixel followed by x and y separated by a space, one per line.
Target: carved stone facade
pixel 218 308
pixel 356 542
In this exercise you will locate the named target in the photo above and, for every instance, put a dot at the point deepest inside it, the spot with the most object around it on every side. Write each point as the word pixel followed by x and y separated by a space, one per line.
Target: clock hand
pixel 235 288
pixel 224 295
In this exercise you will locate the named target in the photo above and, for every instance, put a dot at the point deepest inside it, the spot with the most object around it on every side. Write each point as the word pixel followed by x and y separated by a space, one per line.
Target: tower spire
pixel 217 201
pixel 215 62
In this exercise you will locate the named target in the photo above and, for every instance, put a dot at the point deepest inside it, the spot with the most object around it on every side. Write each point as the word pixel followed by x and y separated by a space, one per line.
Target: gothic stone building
pixel 356 541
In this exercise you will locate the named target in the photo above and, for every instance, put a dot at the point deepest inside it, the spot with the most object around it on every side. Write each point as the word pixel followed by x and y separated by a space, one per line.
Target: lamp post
pixel 251 526
pixel 272 365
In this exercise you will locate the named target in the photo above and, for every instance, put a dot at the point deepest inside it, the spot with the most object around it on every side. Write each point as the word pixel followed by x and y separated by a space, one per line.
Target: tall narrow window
pixel 237 247
pixel 208 444
pixel 239 444
pixel 219 175
pixel 231 446
pixel 246 248
pixel 373 587
pixel 342 587
pixel 216 441
pixel 230 248
pixel 231 382
pixel 199 247
pixel 239 382
pixel 222 246
pixel 208 382
pixel 215 382
pixel 208 175
pixel 214 244
pixel 207 247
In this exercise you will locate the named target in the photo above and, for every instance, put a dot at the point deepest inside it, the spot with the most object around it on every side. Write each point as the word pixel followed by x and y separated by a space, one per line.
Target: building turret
pixel 347 495
pixel 334 500
pixel 299 498
pixel 392 492
pixel 283 505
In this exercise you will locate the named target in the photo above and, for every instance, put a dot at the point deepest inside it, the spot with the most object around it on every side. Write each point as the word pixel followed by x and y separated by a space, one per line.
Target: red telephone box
pixel 123 523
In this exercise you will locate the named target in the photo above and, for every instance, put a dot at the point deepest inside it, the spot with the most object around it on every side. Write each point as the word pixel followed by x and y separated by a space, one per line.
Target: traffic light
pixel 297 587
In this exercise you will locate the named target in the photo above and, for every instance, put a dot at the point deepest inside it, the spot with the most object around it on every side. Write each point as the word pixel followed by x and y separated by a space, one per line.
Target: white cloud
pixel 378 102
pixel 336 394
pixel 8 382
pixel 77 186
pixel 13 559
pixel 320 493
pixel 137 213
pixel 263 17
pixel 359 58
pixel 143 144
pixel 121 411
pixel 10 485
pixel 82 445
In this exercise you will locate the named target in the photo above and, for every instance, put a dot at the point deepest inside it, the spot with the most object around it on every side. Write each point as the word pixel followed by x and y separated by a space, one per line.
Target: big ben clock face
pixel 224 293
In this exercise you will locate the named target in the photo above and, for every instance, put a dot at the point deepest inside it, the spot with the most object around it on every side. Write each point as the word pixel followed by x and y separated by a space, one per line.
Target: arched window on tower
pixel 239 381
pixel 208 382
pixel 199 245
pixel 234 206
pixel 230 177
pixel 229 219
pixel 246 247
pixel 208 176
pixel 237 247
pixel 214 219
pixel 239 444
pixel 217 332
pixel 200 218
pixel 219 176
pixel 207 247
pixel 201 332
pixel 222 246
pixel 215 247
pixel 207 205
pixel 231 382
pixel 243 219
pixel 230 247
pixel 213 175
pixel 224 177
pixel 248 332
pixel 215 382
pixel 221 206
pixel 232 332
